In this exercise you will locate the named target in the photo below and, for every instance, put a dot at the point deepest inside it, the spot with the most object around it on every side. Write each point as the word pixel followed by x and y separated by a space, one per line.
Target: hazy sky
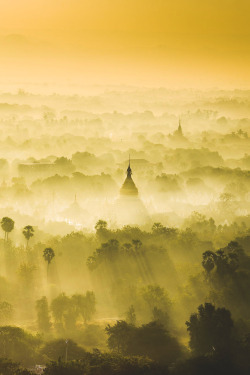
pixel 151 42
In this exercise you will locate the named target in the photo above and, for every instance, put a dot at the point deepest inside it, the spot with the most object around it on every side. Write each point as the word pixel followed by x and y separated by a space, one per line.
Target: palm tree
pixel 7 225
pixel 48 255
pixel 28 232
pixel 137 244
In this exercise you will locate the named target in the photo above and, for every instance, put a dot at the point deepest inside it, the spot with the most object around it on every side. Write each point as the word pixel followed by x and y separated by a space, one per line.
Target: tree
pixel 18 345
pixel 210 330
pixel 64 368
pixel 107 252
pixel 64 165
pixel 56 349
pixel 137 244
pixel 205 228
pixel 43 319
pixel 7 225
pixel 160 316
pixel 66 310
pixel 49 115
pixel 150 340
pixel 7 367
pixel 131 316
pixel 26 273
pixel 119 336
pixel 92 262
pixel 28 232
pixel 225 261
pixel 155 296
pixel 158 229
pixel 84 305
pixel 48 255
pixel 59 307
pixel 153 341
pixel 6 312
pixel 127 248
pixel 209 261
pixel 101 228
pixel 227 203
pixel 117 364
pixel 88 306
pixel 100 225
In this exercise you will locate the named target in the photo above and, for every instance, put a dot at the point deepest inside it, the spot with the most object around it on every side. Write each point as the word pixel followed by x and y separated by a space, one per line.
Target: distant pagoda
pixel 179 131
pixel 178 137
pixel 128 188
pixel 128 208
pixel 74 214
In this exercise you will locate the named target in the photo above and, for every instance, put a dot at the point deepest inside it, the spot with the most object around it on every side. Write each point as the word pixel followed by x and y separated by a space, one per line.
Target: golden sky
pixel 148 42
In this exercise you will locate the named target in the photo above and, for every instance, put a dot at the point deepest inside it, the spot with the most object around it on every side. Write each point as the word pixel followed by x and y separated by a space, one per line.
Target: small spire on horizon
pixel 129 170
pixel 179 127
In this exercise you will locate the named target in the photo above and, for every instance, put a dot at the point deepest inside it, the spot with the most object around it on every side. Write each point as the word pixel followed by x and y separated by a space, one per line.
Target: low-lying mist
pixel 122 213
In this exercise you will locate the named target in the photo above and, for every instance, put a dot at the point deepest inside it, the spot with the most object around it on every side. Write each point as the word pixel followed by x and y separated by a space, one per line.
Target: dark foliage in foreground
pixel 150 340
pixel 7 367
pixel 106 364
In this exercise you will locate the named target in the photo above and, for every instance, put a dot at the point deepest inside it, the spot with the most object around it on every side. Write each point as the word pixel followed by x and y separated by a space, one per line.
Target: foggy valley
pixel 125 230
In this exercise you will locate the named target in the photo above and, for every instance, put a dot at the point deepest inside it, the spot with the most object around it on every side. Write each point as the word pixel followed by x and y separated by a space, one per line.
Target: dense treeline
pixel 216 347
pixel 127 292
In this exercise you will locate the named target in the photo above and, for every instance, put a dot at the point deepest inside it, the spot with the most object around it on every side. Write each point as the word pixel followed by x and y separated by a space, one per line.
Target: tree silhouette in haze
pixel 43 319
pixel 48 255
pixel 119 336
pixel 210 330
pixel 127 248
pixel 158 229
pixel 150 340
pixel 7 225
pixel 18 345
pixel 84 304
pixel 6 312
pixel 28 232
pixel 101 224
pixel 8 367
pixel 26 274
pixel 131 316
pixel 59 307
pixel 224 261
pixel 107 252
pixel 101 228
pixel 56 349
pixel 156 296
pixel 66 310
pixel 208 261
pixel 137 244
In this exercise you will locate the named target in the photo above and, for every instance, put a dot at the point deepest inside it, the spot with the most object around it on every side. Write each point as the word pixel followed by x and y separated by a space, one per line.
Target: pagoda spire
pixel 129 170
pixel 128 187
pixel 179 127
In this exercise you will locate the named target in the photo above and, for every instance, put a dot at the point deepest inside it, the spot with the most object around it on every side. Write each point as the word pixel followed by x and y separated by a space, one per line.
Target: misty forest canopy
pixel 125 240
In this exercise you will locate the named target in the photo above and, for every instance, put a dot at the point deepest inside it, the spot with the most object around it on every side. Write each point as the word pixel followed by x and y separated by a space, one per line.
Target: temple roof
pixel 128 187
